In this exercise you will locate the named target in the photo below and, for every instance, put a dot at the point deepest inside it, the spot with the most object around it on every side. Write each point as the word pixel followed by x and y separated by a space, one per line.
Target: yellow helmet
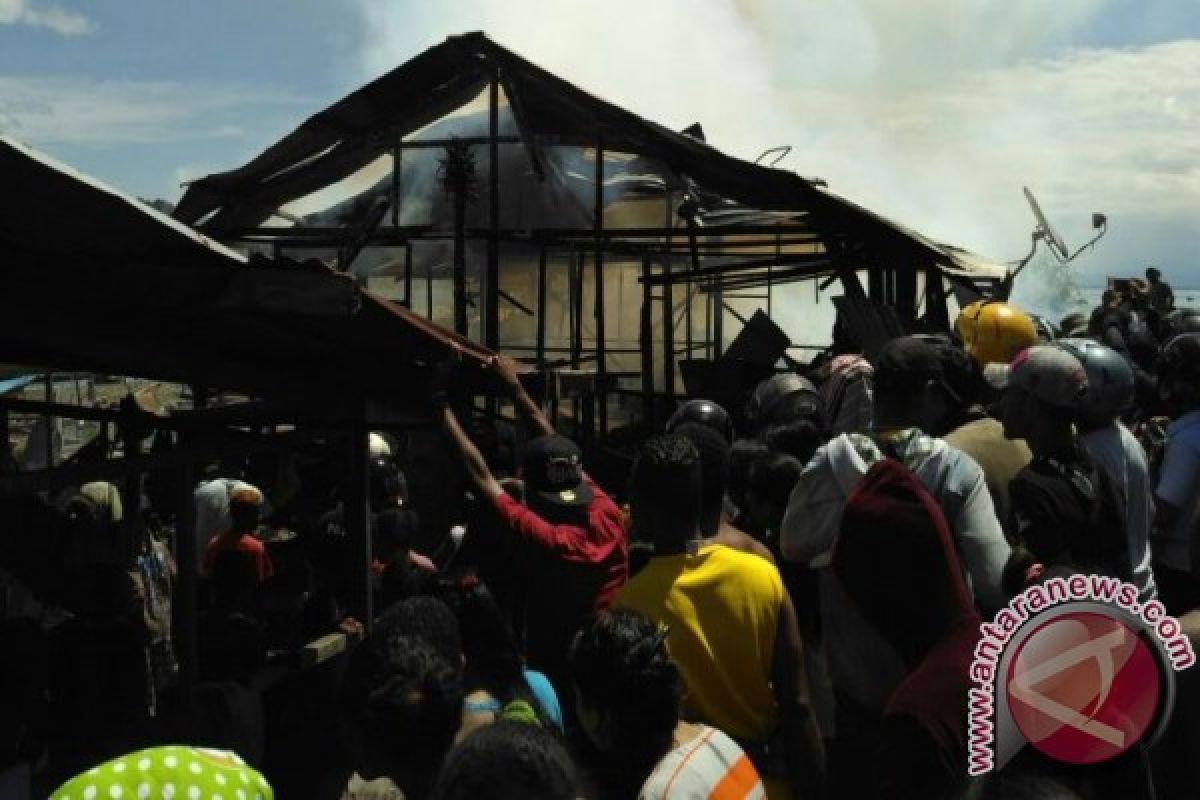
pixel 994 332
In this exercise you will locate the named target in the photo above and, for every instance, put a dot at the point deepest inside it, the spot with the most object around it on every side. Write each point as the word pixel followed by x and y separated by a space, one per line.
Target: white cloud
pixel 59 20
pixel 84 111
pixel 934 112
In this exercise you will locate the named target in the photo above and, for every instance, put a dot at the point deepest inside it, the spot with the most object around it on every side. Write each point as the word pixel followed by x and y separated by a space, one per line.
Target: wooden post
pixel 689 298
pixel 876 290
pixel 490 298
pixel 601 396
pixel 357 518
pixel 541 308
pixel 694 258
pixel 577 334
pixel 461 326
pixel 906 293
pixel 718 330
pixel 936 312
pixel 646 343
pixel 668 313
pixel 577 309
pixel 428 291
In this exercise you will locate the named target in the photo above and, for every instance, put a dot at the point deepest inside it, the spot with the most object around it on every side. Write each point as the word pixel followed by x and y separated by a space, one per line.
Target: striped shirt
pixel 710 766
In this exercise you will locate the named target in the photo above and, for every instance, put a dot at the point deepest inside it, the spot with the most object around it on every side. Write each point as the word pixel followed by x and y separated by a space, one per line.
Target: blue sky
pixel 934 112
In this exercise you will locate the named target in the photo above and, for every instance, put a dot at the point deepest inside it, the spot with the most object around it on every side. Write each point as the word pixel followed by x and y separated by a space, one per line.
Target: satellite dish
pixel 1047 230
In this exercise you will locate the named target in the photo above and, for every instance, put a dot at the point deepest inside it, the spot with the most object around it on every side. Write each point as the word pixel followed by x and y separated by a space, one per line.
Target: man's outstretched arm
pixel 477 469
pixel 507 370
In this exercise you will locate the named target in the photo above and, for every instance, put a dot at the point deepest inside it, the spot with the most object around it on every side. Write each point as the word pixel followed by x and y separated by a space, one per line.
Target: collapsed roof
pixel 355 141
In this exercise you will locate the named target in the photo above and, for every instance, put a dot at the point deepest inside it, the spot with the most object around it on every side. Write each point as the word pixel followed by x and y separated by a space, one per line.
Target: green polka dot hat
pixel 169 773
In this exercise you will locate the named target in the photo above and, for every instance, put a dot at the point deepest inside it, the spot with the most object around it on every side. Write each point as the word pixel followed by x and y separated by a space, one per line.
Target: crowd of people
pixel 782 601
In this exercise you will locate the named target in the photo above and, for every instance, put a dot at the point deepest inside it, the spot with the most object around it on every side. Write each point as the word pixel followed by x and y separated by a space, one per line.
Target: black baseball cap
pixel 553 469
pixel 907 359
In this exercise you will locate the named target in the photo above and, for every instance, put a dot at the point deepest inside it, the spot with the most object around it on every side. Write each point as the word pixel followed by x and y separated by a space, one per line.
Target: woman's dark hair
pixel 798 438
pixel 403 704
pixel 744 454
pixel 508 761
pixel 666 483
pixel 774 478
pixel 619 664
pixel 427 618
pixel 493 660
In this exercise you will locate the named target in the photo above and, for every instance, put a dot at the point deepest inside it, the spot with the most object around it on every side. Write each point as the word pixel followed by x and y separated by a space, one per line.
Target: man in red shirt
pixel 244 505
pixel 579 553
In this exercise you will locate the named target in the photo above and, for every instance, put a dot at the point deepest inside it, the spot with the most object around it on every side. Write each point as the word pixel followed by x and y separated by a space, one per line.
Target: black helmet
pixel 1111 383
pixel 702 412
pixel 782 398
pixel 1179 370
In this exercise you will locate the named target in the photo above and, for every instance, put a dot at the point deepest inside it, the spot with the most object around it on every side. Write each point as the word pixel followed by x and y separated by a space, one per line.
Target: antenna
pixel 1047 231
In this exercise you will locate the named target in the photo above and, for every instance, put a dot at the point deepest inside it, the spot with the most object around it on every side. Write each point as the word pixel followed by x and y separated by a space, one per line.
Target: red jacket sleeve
pixel 559 538
pixel 572 542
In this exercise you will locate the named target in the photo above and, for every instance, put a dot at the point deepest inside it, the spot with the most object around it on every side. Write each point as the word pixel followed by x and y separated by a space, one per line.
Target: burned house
pixel 491 196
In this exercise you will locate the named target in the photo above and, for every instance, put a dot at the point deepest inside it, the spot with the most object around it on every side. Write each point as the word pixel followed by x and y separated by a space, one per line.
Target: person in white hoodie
pixel 911 395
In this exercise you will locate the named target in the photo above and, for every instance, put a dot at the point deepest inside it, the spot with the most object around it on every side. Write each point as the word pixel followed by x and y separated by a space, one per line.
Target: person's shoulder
pixel 938 462
pixel 985 427
pixel 837 448
pixel 750 567
pixel 604 514
pixel 739 540
pixel 723 744
pixel 709 759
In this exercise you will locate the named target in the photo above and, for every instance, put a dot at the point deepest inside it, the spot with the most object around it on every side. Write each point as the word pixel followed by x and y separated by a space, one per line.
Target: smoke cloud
pixel 936 113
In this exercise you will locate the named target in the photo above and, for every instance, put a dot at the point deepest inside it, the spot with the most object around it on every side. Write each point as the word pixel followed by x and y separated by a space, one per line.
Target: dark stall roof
pixel 95 280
